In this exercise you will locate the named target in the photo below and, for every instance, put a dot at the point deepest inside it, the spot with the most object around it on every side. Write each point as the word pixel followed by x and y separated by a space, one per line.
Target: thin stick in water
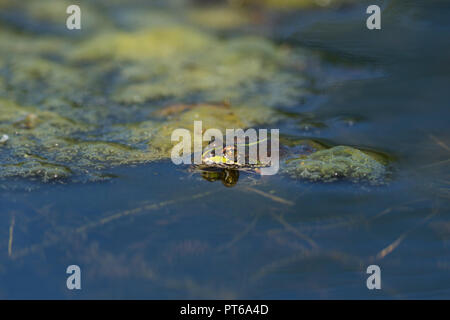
pixel 11 235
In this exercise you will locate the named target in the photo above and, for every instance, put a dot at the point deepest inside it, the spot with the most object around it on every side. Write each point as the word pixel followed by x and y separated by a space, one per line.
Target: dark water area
pixel 159 231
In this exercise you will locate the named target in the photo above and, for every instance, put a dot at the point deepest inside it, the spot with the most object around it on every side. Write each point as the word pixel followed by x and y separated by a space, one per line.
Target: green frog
pixel 230 157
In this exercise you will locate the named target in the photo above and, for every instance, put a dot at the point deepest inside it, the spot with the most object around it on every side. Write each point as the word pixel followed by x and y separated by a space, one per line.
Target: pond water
pixel 151 229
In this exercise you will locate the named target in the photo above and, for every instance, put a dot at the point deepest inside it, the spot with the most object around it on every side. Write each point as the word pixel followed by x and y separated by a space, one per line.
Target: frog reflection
pixel 228 177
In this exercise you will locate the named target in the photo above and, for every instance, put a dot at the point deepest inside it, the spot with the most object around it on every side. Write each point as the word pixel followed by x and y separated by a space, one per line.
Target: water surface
pixel 156 230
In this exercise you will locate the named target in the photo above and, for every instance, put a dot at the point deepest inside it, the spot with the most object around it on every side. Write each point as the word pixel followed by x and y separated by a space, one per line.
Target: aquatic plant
pixel 340 162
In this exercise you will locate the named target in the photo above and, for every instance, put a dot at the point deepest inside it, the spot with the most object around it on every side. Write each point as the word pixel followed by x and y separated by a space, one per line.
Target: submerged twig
pixel 11 234
pixel 340 257
pixel 295 231
pixel 439 142
pixel 240 235
pixel 269 196
pixel 383 253
pixel 106 220
pixel 391 247
pixel 390 209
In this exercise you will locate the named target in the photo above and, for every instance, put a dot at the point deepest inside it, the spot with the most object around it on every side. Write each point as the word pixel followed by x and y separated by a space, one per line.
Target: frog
pixel 230 158
pixel 227 164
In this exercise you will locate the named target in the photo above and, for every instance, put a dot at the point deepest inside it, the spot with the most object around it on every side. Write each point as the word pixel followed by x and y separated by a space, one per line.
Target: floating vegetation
pixel 219 17
pixel 336 163
pixel 245 70
pixel 53 147
pixel 67 125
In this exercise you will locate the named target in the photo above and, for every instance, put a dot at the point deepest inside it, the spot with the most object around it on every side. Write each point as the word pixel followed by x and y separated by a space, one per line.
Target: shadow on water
pixel 228 177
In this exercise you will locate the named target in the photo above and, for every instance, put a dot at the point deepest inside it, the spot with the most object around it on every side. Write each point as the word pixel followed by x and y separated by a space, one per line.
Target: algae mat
pixel 75 104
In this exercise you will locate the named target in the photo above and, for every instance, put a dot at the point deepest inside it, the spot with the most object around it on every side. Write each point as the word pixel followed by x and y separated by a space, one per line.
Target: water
pixel 158 231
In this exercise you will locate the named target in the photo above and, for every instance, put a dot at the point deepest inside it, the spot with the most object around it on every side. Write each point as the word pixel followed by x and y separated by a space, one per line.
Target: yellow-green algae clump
pixel 340 162
pixel 219 17
pixel 178 61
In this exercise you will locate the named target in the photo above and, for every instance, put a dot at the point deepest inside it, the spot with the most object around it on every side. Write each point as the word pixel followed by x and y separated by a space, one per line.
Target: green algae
pixel 340 162
pixel 56 117
pixel 220 117
pixel 74 106
pixel 39 145
pixel 219 17
pixel 25 45
pixel 33 135
pixel 37 75
pixel 162 42
pixel 43 171
pixel 46 145
pixel 179 61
